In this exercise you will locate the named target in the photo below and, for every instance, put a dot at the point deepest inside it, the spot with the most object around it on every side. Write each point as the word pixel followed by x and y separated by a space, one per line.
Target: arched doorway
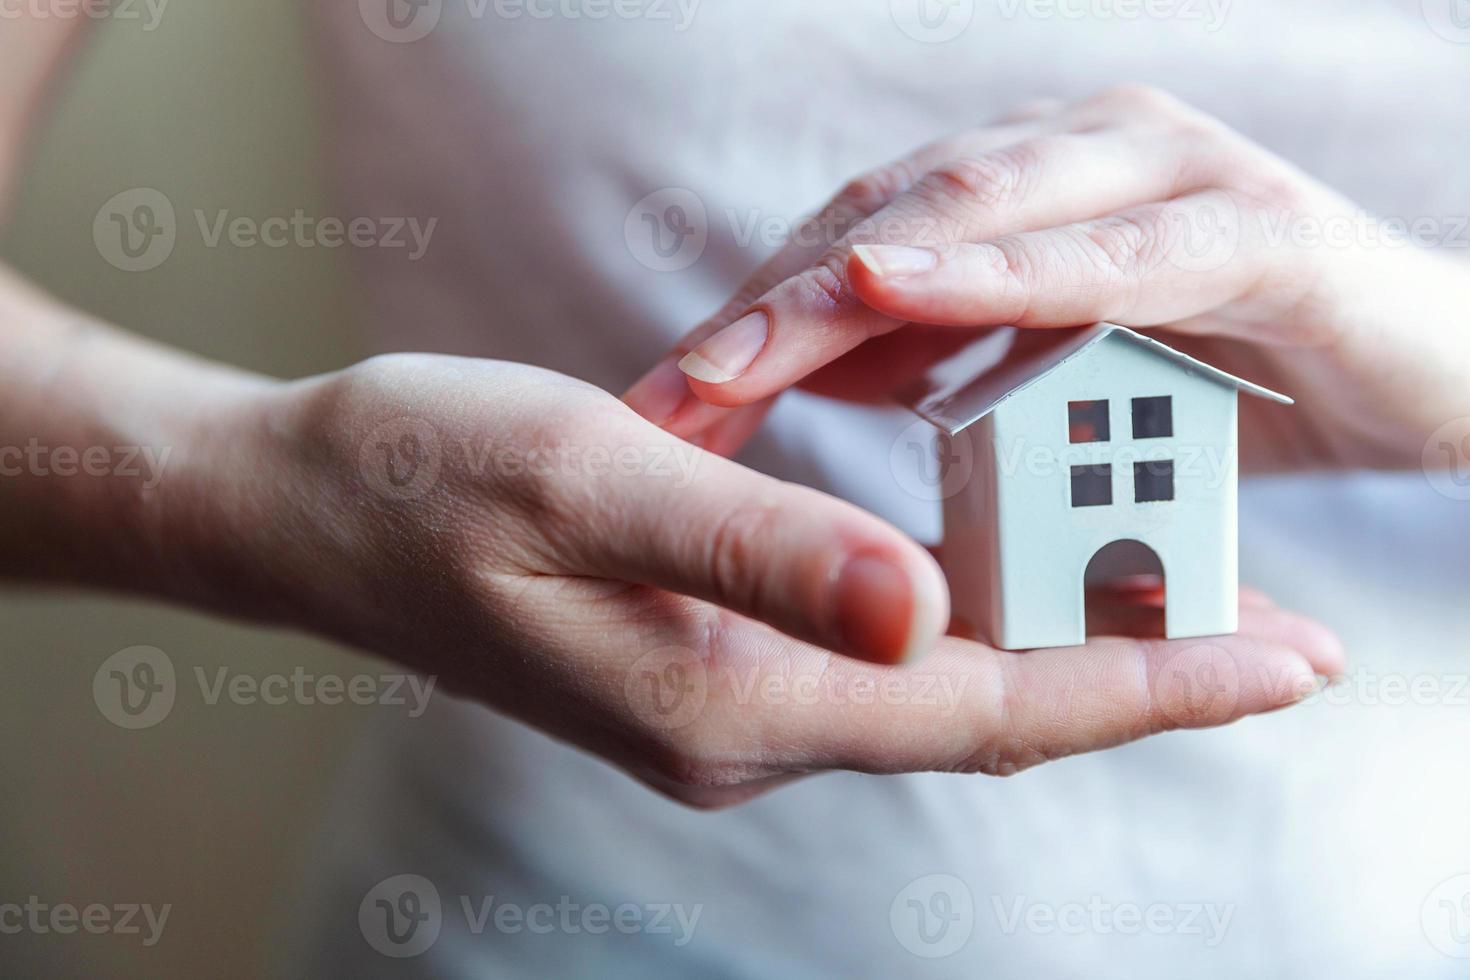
pixel 1124 590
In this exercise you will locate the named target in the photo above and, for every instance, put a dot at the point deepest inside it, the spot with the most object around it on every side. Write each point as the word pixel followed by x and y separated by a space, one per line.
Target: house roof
pixel 970 384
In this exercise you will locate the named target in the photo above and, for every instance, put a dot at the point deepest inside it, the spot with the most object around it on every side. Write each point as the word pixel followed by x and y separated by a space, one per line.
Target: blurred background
pixel 206 809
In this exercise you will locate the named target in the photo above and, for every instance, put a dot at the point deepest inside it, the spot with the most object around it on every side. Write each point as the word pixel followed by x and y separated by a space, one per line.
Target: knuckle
pixel 870 191
pixel 1033 109
pixel 995 181
pixel 1005 757
pixel 999 749
pixel 1138 97
pixel 1274 189
pixel 1009 258
pixel 824 285
pixel 1121 247
pixel 692 767
pixel 737 546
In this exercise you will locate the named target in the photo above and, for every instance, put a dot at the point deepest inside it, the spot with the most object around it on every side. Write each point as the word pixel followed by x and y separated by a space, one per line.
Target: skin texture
pixel 544 550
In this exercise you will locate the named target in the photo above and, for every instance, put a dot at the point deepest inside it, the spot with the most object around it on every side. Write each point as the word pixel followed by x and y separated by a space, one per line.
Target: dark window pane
pixel 1088 422
pixel 1153 480
pixel 1092 486
pixel 1153 418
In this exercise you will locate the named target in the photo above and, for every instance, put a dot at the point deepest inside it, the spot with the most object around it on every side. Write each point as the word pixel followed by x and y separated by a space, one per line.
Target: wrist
pixel 235 527
pixel 103 442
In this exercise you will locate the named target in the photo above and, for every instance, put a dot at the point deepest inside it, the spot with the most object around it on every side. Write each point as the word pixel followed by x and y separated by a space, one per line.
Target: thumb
pixel 812 566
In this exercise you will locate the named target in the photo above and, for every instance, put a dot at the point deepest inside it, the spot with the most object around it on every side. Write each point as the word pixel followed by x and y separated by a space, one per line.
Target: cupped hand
pixel 541 549
pixel 1130 207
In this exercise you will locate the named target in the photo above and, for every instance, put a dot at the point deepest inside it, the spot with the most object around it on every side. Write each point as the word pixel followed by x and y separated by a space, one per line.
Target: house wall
pixel 1043 544
pixel 971 552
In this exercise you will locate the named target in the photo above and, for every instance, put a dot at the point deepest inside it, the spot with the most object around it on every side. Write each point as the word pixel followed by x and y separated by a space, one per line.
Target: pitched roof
pixel 970 384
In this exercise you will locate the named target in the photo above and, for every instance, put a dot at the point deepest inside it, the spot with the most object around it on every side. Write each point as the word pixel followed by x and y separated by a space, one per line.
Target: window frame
pixel 1092 404
pixel 1167 401
pixel 1100 472
pixel 1143 476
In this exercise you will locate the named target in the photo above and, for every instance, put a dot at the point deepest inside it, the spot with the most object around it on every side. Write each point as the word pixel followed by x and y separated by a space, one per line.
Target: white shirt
pixel 1309 842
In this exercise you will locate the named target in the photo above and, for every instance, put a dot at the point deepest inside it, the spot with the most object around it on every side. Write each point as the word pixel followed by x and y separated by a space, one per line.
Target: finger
pixel 1149 265
pixel 1135 608
pixel 730 434
pixel 1007 712
pixel 1318 644
pixel 1038 108
pixel 749 705
pixel 875 371
pixel 663 395
pixel 814 317
pixel 814 567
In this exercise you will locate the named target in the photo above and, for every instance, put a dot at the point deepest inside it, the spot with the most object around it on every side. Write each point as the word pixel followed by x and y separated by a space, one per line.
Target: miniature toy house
pixel 1090 454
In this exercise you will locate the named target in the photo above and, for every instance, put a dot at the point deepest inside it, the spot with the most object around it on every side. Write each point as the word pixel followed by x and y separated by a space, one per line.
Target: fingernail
pixel 894 261
pixel 887 615
pixel 659 394
pixel 727 355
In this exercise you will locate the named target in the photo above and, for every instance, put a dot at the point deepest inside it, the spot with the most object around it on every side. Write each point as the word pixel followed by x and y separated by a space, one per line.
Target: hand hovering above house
pixel 1129 207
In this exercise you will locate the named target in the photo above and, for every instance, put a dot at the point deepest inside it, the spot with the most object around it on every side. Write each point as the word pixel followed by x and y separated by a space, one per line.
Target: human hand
pixel 713 631
pixel 1130 207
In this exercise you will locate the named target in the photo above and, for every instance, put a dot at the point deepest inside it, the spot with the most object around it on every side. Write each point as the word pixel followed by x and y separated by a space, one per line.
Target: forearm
pixel 1405 319
pixel 106 441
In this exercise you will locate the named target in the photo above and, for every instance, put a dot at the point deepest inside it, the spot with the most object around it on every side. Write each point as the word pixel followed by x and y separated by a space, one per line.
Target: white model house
pixel 1089 454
